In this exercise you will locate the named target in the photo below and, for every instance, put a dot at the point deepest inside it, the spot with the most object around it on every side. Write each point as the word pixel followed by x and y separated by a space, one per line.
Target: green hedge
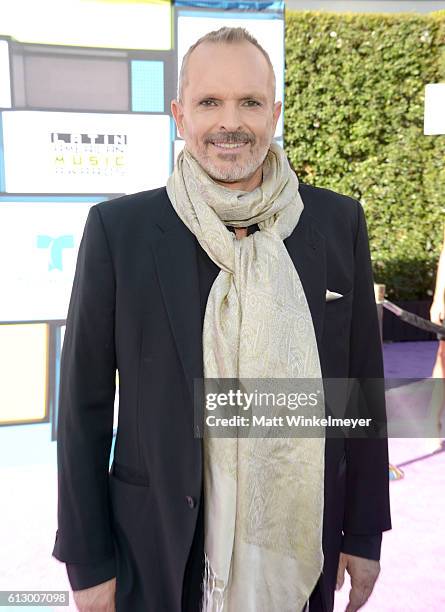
pixel 354 123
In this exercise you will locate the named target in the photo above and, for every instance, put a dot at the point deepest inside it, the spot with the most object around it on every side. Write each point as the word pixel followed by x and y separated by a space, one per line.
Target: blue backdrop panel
pixel 147 86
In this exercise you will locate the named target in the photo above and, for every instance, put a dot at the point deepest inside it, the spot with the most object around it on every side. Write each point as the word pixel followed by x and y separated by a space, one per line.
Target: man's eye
pixel 211 102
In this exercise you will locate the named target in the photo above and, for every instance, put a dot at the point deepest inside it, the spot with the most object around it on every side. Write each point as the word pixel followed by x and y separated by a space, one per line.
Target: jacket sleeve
pixel 366 546
pixel 90 574
pixel 367 508
pixel 86 406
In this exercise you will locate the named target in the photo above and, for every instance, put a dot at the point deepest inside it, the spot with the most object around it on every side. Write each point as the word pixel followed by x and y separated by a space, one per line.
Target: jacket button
pixel 190 501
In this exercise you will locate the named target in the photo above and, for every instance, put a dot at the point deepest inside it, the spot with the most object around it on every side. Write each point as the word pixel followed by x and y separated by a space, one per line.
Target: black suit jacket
pixel 135 307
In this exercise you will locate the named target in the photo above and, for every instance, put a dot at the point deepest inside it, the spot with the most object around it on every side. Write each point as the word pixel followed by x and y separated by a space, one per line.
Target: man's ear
pixel 178 114
pixel 276 113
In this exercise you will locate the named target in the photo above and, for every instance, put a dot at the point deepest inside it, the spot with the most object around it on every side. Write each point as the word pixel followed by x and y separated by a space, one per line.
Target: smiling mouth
pixel 229 146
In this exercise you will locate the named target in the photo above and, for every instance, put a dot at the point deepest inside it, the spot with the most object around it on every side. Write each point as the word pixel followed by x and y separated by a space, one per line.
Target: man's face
pixel 228 99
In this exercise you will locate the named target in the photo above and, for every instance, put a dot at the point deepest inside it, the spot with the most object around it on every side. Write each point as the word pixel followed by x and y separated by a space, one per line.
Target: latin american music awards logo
pixel 89 154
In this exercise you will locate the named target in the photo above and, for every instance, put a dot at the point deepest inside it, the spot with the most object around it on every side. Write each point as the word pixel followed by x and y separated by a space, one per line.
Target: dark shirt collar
pixel 250 230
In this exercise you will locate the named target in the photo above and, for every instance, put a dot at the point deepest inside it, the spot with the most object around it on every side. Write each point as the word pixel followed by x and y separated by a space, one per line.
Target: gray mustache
pixel 230 140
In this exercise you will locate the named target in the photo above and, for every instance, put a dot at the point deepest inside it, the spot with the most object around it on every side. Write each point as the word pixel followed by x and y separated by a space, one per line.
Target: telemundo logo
pixel 56 245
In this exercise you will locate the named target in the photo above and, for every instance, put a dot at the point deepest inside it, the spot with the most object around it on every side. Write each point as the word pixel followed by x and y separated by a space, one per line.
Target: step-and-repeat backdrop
pixel 85 91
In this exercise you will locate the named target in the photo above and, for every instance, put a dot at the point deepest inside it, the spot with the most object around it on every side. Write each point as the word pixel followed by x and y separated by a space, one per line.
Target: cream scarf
pixel 263 497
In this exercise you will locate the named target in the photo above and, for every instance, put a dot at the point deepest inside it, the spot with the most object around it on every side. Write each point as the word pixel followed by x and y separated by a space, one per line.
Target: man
pixel 224 273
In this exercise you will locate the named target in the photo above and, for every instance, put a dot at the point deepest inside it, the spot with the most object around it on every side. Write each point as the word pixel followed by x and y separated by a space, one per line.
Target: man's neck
pixel 240 232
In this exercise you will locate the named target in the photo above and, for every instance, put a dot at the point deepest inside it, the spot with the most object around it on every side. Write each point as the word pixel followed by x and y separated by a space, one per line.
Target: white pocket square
pixel 332 295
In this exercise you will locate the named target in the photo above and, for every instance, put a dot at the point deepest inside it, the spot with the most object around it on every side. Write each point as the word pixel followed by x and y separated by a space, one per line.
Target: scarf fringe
pixel 213 593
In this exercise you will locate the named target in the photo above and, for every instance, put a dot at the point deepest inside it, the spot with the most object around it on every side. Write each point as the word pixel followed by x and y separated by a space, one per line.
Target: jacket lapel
pixel 177 267
pixel 306 247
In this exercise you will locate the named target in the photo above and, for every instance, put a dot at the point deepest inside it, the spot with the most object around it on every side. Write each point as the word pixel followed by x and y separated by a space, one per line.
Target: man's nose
pixel 230 118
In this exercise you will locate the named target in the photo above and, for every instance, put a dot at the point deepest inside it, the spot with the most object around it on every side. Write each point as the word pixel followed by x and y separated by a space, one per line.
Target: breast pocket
pixel 340 305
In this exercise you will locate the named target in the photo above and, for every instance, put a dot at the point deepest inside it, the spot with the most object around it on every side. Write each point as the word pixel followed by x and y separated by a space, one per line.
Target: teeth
pixel 229 146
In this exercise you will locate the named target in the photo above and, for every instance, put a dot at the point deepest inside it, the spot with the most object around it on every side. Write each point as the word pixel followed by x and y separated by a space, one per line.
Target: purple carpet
pixel 413 556
pixel 413 552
